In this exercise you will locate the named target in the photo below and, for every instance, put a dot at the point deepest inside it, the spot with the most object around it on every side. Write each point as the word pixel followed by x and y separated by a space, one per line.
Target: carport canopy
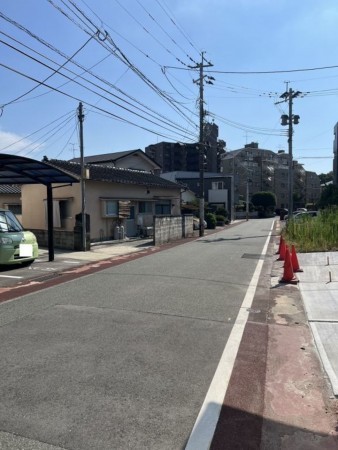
pixel 21 170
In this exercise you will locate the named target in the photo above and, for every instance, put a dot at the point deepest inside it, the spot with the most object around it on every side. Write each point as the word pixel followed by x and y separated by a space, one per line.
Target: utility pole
pixel 201 143
pixel 82 180
pixel 290 120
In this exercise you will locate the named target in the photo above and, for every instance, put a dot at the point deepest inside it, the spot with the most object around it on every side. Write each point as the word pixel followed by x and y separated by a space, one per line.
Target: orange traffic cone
pixel 288 276
pixel 280 244
pixel 282 251
pixel 294 260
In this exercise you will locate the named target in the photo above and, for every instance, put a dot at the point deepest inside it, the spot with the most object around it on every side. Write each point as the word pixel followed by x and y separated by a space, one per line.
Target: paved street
pixel 123 358
pixel 195 344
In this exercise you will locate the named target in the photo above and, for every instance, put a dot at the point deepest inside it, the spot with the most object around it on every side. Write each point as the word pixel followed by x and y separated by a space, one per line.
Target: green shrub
pixel 211 220
pixel 222 212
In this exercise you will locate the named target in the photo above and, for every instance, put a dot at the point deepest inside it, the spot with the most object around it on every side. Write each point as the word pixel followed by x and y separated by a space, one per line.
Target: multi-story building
pixel 175 156
pixel 312 187
pixel 256 170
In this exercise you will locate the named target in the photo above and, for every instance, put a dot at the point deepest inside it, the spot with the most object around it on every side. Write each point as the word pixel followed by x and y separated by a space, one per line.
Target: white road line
pixel 205 425
pixel 9 276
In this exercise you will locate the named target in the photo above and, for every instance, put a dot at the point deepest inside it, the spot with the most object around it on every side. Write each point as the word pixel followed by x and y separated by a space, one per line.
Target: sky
pixel 134 65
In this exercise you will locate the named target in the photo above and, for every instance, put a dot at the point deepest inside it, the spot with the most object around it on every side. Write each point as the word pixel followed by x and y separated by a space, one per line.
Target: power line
pixel 176 25
pixel 117 52
pixel 258 72
pixel 167 121
pixel 167 34
pixel 49 76
pixel 40 129
pixel 257 130
pixel 91 105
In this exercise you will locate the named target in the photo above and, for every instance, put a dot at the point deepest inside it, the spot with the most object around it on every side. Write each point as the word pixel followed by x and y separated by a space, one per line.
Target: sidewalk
pixel 318 286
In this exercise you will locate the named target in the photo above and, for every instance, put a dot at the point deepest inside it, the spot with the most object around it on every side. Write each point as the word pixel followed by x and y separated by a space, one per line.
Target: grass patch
pixel 313 234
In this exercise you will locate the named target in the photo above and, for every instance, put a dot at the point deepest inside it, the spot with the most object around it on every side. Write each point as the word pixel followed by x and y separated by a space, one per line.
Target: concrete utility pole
pixel 83 177
pixel 201 143
pixel 290 120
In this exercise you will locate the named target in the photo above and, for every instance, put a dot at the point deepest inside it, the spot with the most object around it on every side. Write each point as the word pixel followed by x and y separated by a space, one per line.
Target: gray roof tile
pixel 114 174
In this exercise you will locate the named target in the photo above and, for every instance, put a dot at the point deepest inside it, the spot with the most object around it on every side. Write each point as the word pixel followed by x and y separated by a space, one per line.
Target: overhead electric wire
pixel 55 71
pixel 117 52
pixel 166 33
pixel 172 85
pixel 137 48
pixel 86 71
pixel 48 135
pixel 257 72
pixel 70 113
pixel 257 130
pixel 148 32
pixel 87 103
pixel 120 35
pixel 40 144
pixel 106 91
pixel 79 76
pixel 63 148
pixel 178 27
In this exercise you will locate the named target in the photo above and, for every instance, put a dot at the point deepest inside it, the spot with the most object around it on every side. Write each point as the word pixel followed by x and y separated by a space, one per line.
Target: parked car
pixel 302 215
pixel 17 246
pixel 196 223
pixel 300 210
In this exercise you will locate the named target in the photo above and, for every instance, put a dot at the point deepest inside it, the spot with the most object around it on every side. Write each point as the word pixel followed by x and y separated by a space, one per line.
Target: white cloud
pixel 12 143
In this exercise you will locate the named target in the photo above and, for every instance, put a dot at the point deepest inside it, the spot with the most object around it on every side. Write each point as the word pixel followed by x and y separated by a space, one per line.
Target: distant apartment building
pixel 255 169
pixel 312 187
pixel 176 156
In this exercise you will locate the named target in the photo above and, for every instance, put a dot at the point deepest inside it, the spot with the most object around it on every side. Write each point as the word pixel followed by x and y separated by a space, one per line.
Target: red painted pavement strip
pixel 278 395
pixel 53 279
pixel 241 418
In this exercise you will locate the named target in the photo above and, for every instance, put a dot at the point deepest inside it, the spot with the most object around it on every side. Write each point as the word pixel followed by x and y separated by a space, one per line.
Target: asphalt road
pixel 123 358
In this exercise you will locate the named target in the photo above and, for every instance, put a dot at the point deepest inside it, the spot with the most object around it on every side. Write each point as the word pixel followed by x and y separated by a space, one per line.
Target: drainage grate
pixel 252 256
pixel 46 277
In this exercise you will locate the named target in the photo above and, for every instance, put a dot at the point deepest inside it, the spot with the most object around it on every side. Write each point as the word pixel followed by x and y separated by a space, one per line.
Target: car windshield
pixel 9 223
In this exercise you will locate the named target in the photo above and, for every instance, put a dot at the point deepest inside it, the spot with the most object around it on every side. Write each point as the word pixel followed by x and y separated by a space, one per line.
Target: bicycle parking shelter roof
pixel 16 169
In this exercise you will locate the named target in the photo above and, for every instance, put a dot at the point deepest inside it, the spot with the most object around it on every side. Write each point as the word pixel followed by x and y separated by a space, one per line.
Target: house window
pixel 217 185
pixel 163 208
pixel 145 208
pixel 61 212
pixel 65 211
pixel 16 208
pixel 110 208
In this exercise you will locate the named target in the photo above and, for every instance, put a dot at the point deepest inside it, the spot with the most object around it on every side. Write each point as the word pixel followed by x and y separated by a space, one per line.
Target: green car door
pixel 17 246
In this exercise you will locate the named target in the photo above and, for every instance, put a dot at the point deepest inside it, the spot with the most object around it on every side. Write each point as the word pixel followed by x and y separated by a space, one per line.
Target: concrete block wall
pixel 172 228
pixel 62 239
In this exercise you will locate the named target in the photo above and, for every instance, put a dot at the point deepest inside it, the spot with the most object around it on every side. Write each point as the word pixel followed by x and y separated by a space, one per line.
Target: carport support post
pixel 50 221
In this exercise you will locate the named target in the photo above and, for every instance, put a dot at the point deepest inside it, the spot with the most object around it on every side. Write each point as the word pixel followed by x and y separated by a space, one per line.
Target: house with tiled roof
pixel 129 159
pixel 10 198
pixel 114 198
